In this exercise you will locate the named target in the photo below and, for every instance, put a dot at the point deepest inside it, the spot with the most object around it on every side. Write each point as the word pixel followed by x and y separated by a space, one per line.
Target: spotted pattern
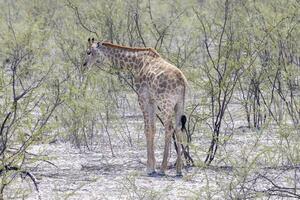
pixel 158 84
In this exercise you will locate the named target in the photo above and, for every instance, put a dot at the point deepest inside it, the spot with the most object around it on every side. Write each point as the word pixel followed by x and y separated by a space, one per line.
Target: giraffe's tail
pixel 183 122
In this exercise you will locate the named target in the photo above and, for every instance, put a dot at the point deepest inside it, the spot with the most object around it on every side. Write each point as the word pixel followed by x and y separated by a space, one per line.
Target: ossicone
pixel 91 40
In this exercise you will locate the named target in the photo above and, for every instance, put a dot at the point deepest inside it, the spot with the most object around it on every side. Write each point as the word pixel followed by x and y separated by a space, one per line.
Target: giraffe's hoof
pixel 161 174
pixel 152 174
pixel 179 175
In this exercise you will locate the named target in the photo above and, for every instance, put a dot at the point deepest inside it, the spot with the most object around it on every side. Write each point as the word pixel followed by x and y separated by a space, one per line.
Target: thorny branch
pixel 137 24
pixel 75 9
pixel 163 32
pixel 277 190
pixel 23 174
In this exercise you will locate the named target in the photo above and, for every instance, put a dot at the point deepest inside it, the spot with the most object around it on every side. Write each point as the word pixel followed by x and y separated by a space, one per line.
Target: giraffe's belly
pixel 167 98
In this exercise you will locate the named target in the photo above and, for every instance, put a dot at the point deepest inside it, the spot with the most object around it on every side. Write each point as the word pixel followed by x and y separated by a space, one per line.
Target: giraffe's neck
pixel 129 58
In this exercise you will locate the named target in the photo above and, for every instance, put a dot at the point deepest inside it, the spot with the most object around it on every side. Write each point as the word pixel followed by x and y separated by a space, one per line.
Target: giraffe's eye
pixel 88 52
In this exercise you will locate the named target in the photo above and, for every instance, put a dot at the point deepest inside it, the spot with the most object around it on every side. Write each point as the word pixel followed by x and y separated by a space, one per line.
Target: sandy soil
pixel 251 164
pixel 98 175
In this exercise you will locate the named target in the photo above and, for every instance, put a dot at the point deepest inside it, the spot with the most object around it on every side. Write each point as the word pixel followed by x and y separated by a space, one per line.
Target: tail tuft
pixel 183 122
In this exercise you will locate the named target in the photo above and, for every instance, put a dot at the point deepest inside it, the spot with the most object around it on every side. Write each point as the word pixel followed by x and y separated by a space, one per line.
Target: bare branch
pixel 75 9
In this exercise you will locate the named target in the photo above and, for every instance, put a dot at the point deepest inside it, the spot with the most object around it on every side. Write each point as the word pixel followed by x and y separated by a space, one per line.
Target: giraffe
pixel 159 84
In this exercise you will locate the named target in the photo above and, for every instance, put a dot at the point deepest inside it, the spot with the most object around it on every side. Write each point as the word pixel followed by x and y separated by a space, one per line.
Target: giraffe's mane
pixel 155 53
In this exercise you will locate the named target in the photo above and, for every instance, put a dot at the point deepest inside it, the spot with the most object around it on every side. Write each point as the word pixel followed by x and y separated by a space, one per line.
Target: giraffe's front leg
pixel 150 151
pixel 148 110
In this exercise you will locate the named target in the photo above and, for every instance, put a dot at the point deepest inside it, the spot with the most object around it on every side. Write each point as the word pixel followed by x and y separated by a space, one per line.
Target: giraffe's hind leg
pixel 179 135
pixel 169 129
pixel 168 109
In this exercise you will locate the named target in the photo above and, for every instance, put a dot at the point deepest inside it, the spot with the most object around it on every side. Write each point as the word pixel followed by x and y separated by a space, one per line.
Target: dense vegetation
pixel 236 54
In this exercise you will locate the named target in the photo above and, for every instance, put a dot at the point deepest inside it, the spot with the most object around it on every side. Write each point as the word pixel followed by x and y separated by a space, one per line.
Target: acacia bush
pixel 241 59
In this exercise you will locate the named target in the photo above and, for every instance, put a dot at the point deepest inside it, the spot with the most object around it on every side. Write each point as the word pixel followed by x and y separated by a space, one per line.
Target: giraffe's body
pixel 159 84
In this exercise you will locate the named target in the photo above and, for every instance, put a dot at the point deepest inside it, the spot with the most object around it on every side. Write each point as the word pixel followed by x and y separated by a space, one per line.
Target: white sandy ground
pixel 98 175
pixel 241 170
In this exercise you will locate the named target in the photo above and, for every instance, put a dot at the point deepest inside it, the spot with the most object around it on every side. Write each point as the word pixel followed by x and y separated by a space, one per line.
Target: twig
pixel 22 172
pixel 75 8
pixel 283 191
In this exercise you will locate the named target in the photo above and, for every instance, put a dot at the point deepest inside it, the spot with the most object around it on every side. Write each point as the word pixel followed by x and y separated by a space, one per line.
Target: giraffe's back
pixel 166 83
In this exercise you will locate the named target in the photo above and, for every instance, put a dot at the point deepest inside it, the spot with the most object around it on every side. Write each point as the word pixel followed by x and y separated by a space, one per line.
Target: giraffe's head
pixel 93 53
